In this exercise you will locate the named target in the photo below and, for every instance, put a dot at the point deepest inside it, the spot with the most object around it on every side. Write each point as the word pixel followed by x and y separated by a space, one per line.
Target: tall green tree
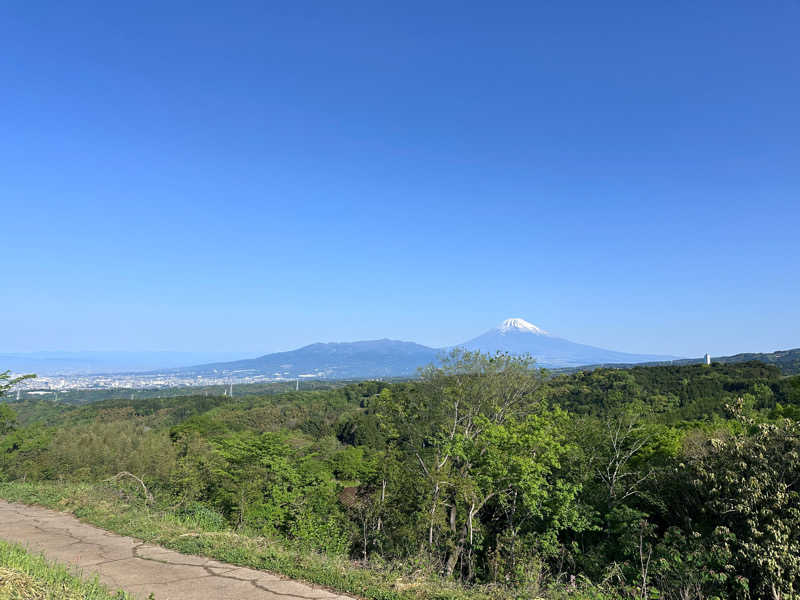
pixel 477 431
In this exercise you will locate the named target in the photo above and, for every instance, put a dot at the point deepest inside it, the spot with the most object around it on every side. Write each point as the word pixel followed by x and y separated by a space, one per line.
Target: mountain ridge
pixel 394 358
pixel 386 357
pixel 330 360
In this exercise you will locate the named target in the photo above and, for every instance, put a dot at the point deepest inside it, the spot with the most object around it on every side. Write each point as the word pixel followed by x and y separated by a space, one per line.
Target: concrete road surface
pixel 129 564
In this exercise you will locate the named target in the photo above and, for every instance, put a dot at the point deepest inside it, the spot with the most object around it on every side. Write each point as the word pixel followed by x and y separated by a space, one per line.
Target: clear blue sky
pixel 256 176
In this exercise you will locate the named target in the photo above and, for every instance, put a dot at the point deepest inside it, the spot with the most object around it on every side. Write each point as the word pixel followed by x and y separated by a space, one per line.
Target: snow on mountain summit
pixel 518 337
pixel 520 325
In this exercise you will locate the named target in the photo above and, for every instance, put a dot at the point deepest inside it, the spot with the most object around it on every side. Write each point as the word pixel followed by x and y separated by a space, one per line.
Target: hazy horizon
pixel 268 348
pixel 235 354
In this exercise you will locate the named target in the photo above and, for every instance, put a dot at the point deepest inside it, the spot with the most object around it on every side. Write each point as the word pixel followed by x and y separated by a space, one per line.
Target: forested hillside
pixel 485 478
pixel 787 361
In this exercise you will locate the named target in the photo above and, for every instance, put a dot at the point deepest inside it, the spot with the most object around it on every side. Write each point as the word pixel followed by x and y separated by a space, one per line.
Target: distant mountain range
pixel 346 360
pixel 392 358
pixel 361 360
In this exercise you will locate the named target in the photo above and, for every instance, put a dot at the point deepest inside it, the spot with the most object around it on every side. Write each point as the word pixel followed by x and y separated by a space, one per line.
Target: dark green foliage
pixel 677 392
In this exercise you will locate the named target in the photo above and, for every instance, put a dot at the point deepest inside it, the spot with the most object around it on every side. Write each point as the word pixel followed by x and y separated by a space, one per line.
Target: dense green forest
pixel 504 480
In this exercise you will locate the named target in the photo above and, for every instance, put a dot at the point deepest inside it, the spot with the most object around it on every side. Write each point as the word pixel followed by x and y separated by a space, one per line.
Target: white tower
pixel 708 358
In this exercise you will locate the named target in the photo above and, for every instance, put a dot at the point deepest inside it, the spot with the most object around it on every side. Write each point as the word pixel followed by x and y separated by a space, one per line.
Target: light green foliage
pixel 478 433
pixel 353 464
pixel 264 486
pixel 259 483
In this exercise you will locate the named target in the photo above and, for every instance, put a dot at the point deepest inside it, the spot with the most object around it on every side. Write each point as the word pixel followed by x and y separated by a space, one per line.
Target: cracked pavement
pixel 141 569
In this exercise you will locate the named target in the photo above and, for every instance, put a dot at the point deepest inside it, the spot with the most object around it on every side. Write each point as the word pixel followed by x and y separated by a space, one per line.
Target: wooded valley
pixel 485 477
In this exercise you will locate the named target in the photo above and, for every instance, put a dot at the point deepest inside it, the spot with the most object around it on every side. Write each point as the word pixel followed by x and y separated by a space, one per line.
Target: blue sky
pixel 256 176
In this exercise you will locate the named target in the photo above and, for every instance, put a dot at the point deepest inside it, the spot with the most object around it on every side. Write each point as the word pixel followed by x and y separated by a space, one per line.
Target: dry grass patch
pixel 27 577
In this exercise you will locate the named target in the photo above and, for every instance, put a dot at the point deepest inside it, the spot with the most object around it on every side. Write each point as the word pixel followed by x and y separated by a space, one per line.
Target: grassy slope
pixel 23 576
pixel 97 506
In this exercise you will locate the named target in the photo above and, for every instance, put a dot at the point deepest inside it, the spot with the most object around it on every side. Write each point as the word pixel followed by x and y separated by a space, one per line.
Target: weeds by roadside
pixel 24 576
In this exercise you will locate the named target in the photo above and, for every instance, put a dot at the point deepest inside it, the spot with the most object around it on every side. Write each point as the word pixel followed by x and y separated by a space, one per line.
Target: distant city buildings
pixel 45 384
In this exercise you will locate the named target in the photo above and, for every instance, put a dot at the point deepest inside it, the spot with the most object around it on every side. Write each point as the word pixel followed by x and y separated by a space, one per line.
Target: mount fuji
pixel 517 336
pixel 392 358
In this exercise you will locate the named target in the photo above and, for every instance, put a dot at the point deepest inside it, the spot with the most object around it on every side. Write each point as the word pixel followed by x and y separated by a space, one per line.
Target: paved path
pixel 130 564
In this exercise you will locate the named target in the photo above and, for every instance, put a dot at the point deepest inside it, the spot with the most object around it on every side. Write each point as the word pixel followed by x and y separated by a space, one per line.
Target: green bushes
pixel 741 509
pixel 260 483
pixel 202 517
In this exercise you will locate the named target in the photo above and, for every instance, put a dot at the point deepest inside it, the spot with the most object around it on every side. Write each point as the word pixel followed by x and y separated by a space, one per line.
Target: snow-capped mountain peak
pixel 517 336
pixel 520 325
